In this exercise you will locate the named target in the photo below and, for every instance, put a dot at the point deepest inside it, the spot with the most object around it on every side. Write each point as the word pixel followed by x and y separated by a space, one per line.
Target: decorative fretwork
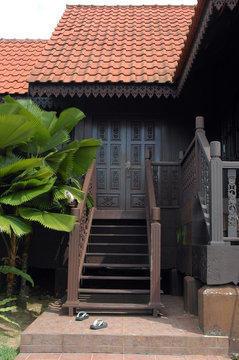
pixel 115 179
pixel 102 131
pixel 115 131
pixel 111 90
pixel 115 154
pixel 136 131
pixel 100 178
pixel 135 180
pixel 135 154
pixel 232 203
pixel 219 3
pixel 204 183
pixel 189 176
pixel 149 131
pixel 78 241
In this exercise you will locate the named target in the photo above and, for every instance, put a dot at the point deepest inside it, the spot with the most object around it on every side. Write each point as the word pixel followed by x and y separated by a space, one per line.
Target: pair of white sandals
pixel 97 324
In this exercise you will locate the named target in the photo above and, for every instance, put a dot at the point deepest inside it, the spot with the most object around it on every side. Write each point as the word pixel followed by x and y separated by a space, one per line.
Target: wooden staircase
pixel 108 260
pixel 115 274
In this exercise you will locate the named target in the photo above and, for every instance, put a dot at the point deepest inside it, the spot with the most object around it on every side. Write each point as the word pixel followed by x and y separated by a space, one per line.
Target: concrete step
pixel 174 333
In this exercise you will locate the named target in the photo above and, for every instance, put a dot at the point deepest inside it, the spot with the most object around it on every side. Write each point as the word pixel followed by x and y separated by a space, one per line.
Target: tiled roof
pixel 115 44
pixel 17 58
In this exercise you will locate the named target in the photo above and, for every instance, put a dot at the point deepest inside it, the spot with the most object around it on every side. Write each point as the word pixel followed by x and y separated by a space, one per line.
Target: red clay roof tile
pixel 16 62
pixel 115 44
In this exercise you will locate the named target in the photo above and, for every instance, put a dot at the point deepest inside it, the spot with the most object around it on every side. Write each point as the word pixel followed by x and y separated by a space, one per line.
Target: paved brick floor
pixel 174 335
pixel 48 356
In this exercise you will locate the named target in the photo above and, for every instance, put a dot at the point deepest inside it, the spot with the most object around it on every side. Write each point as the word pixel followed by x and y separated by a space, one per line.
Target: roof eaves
pixel 200 22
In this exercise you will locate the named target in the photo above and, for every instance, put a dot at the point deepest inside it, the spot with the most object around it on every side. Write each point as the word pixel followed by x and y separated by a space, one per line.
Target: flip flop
pixel 98 324
pixel 81 316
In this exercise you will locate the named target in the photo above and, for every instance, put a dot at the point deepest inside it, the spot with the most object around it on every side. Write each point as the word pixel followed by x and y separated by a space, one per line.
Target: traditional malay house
pixel 158 85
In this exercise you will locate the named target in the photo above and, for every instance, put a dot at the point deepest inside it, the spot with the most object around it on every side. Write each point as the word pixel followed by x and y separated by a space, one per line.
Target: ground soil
pixel 37 302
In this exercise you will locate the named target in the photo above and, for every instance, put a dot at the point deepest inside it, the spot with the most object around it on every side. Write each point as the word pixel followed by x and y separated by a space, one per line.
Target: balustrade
pixel 154 237
pixel 78 240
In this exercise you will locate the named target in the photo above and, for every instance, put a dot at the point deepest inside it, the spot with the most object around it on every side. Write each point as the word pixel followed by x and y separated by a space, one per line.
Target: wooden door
pixel 120 168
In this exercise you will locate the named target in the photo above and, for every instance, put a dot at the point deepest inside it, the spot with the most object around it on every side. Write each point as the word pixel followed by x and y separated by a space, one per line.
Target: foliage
pixel 5 270
pixel 38 179
pixel 7 353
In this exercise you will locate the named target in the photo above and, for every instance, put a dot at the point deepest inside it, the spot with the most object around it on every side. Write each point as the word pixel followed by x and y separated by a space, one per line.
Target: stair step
pixel 119 229
pixel 140 266
pixel 113 254
pixel 113 291
pixel 100 277
pixel 112 306
pixel 117 247
pixel 119 238
pixel 117 258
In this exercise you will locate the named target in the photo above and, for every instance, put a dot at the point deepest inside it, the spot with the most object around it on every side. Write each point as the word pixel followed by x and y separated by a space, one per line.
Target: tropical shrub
pixel 37 179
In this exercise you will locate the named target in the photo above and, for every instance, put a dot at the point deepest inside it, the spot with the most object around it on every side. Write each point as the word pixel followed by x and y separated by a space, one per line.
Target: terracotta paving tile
pixel 167 357
pixel 76 357
pixel 107 357
pixel 22 356
pixel 139 357
pixel 44 356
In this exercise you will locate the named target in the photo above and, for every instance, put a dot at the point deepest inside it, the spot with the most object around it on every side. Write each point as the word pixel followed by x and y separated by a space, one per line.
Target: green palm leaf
pixel 20 165
pixel 41 174
pixel 68 120
pixel 5 269
pixel 41 135
pixel 9 223
pixel 54 160
pixel 66 191
pixel 8 320
pixel 7 109
pixel 60 222
pixel 58 138
pixel 84 156
pixel 14 130
pixel 47 118
pixel 24 191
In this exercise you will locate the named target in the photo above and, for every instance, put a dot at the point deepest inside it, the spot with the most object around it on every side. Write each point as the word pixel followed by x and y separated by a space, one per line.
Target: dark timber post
pixel 155 260
pixel 199 128
pixel 216 193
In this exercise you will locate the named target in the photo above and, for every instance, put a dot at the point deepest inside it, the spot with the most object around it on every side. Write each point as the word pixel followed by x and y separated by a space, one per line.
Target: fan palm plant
pixel 37 179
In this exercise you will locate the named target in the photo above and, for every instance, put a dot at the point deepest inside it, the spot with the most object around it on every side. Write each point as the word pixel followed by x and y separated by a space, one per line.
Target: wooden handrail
pixel 78 240
pixel 154 238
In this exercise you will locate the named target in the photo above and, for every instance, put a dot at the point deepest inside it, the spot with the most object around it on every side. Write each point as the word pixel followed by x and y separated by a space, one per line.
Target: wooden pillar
pixel 155 260
pixel 73 270
pixel 216 204
pixel 199 129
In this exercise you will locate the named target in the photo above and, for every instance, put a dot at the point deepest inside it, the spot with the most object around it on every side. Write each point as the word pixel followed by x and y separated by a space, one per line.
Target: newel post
pixel 216 193
pixel 155 260
pixel 73 266
pixel 199 124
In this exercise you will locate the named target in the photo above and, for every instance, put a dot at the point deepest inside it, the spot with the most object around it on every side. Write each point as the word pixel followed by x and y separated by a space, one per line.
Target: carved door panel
pixel 120 167
pixel 141 135
pixel 110 169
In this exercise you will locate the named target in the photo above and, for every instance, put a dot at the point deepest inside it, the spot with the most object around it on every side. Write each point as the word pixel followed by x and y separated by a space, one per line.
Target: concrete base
pixel 191 287
pixel 216 308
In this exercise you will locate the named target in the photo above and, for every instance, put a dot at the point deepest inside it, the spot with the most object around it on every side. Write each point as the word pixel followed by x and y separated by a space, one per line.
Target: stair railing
pixel 154 237
pixel 214 181
pixel 78 241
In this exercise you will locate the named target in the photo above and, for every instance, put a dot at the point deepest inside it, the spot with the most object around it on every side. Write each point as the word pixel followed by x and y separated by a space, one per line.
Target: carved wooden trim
pixel 111 90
